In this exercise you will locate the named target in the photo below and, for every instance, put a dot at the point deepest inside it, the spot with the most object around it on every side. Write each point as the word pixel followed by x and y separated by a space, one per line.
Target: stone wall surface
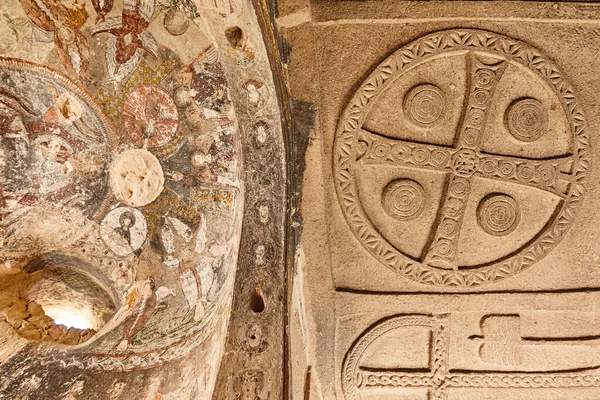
pixel 449 237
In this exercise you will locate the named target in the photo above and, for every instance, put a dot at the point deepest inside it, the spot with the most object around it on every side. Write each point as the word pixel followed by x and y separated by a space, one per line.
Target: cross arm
pixel 380 150
pixel 552 175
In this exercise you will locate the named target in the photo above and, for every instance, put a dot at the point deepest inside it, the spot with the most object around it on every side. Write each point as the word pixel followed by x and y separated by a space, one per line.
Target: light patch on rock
pixel 136 177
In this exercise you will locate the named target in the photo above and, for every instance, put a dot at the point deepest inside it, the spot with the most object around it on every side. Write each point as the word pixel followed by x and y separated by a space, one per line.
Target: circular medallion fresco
pixel 56 144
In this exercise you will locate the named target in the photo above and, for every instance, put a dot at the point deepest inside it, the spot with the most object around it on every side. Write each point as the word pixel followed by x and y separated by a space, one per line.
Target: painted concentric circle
pixel 403 199
pixel 150 116
pixel 527 119
pixel 424 104
pixel 498 214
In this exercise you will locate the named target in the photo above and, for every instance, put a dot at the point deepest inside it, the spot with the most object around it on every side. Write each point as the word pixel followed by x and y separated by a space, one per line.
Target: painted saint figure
pixel 126 221
pixel 137 310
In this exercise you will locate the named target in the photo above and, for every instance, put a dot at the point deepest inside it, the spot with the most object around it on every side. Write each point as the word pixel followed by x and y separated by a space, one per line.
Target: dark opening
pixel 234 35
pixel 257 301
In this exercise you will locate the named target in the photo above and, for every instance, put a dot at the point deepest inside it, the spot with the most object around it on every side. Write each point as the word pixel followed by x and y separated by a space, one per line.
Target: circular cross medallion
pixel 470 185
pixel 150 114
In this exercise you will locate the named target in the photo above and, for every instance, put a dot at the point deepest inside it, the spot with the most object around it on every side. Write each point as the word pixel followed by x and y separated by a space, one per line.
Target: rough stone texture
pixel 448 246
pixel 305 199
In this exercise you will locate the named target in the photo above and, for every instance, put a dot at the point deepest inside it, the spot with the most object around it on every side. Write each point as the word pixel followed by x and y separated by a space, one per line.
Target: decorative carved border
pixel 351 376
pixel 359 106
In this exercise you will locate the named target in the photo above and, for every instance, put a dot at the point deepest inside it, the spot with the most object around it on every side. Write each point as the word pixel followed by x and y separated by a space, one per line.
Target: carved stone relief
pixel 449 244
pixel 454 159
pixel 435 356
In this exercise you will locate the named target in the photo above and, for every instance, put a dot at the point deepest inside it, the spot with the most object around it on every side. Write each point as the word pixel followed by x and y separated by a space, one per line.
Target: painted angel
pixel 63 20
pixel 128 38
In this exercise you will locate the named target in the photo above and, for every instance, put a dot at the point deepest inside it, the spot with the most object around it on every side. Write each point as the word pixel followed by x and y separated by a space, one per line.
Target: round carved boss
pixel 470 169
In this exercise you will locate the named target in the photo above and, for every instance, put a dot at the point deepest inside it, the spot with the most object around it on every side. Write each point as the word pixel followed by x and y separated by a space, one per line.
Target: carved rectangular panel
pixel 535 345
pixel 460 159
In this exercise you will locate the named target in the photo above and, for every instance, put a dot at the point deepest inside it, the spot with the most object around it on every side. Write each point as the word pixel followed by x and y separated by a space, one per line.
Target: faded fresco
pixel 122 192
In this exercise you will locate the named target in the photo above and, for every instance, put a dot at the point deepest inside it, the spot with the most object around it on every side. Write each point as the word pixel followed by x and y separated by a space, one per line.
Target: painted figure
pixel 63 19
pixel 128 37
pixel 126 221
pixel 250 385
pixel 137 310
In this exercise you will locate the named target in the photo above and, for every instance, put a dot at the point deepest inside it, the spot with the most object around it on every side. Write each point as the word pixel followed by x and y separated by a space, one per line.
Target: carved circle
pixel 481 96
pixel 484 77
pixel 403 199
pixel 525 172
pixel 449 227
pixel 489 166
pixel 438 45
pixel 421 155
pixel 459 187
pixel 476 117
pixel 470 136
pixel 453 207
pixel 444 247
pixel 545 173
pixel 424 104
pixel 381 150
pixel 498 214
pixel 507 168
pixel 527 119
